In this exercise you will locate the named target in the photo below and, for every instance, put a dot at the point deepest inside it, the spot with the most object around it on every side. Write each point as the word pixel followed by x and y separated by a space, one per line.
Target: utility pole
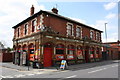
pixel 106 32
pixel 106 40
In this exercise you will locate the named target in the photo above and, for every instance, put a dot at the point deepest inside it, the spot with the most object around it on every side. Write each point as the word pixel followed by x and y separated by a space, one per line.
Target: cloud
pixel 110 5
pixel 111 16
pixel 11 13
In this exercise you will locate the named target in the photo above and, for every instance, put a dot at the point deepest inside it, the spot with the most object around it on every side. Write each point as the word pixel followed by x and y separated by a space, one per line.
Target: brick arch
pixel 19 47
pixel 24 47
pixel 31 46
pixel 79 47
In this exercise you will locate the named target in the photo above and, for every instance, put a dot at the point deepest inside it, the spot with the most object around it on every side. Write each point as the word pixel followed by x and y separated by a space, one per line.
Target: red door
pixel 47 57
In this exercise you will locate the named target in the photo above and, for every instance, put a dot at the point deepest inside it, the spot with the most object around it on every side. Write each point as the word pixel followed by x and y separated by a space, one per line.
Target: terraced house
pixel 47 38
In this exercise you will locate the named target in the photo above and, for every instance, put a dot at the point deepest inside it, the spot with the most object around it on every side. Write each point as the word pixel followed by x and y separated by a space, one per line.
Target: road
pixel 106 69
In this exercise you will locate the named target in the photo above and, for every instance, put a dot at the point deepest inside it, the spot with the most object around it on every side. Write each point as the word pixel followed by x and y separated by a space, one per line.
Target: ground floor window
pixel 79 52
pixel 60 51
pixel 92 53
pixel 70 52
pixel 31 54
pixel 97 53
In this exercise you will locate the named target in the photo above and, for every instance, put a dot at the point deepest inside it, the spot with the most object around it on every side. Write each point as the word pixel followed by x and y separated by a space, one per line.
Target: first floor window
pixel 33 25
pixel 78 32
pixel 69 29
pixel 18 32
pixel 26 29
pixel 91 35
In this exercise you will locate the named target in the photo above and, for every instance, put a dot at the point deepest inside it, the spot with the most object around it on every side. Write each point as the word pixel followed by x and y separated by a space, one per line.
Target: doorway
pixel 47 55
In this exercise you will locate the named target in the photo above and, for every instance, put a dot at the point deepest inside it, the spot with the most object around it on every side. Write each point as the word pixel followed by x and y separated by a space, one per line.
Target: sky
pixel 92 13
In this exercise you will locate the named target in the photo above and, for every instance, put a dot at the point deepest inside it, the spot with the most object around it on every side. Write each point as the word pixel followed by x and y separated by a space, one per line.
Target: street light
pixel 106 32
pixel 106 39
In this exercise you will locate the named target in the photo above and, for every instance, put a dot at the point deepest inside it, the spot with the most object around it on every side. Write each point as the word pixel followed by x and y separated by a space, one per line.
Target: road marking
pixel 97 70
pixel 2 76
pixel 71 76
pixel 8 76
pixel 115 66
pixel 30 74
pixel 20 75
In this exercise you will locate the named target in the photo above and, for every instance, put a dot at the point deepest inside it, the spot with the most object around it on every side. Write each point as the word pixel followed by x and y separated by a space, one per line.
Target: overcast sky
pixel 95 14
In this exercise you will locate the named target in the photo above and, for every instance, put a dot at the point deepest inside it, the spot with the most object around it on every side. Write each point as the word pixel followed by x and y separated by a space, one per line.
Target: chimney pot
pixel 54 10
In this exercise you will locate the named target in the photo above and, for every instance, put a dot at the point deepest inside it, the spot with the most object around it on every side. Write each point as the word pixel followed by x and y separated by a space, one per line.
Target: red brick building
pixel 113 50
pixel 47 38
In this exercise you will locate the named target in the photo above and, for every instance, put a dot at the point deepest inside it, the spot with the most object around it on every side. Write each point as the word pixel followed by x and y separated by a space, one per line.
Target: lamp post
pixel 106 40
pixel 106 31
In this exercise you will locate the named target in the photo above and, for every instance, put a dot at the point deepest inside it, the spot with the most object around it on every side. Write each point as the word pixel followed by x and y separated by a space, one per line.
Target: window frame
pixel 35 26
pixel 80 32
pixel 18 32
pixel 92 35
pixel 26 29
pixel 71 30
pixel 97 36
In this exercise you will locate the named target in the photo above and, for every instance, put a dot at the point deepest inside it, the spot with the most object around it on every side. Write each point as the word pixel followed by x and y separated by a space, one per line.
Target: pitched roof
pixel 56 15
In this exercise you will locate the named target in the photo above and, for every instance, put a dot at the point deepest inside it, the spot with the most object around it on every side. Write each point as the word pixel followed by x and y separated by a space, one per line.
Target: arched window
pixel 26 29
pixel 78 32
pixel 97 36
pixel 18 32
pixel 91 52
pixel 71 49
pixel 97 53
pixel 79 52
pixel 91 34
pixel 33 25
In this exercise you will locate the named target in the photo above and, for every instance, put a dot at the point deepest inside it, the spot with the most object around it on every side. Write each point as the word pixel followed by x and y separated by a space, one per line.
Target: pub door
pixel 87 55
pixel 47 57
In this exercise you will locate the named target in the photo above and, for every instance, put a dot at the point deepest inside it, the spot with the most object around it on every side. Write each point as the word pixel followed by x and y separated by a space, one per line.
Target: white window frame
pixel 80 31
pixel 93 37
pixel 97 38
pixel 72 29
pixel 35 25
pixel 27 28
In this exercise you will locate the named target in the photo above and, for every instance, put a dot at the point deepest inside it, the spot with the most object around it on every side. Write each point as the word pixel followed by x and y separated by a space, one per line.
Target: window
pixel 18 32
pixel 60 49
pixel 71 49
pixel 33 25
pixel 78 32
pixel 97 36
pixel 91 35
pixel 26 29
pixel 69 29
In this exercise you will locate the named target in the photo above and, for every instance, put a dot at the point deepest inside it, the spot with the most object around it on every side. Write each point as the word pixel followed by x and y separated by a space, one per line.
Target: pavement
pixel 70 67
pixel 10 70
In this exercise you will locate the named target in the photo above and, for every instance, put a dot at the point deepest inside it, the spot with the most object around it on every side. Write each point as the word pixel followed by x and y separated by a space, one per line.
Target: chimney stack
pixel 32 10
pixel 54 10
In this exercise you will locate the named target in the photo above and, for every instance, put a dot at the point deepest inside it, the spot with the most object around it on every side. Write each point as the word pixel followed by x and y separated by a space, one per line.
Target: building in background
pixel 111 50
pixel 5 55
pixel 47 38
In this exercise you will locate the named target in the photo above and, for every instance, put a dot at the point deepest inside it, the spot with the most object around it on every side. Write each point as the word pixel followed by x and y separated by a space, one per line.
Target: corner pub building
pixel 47 38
